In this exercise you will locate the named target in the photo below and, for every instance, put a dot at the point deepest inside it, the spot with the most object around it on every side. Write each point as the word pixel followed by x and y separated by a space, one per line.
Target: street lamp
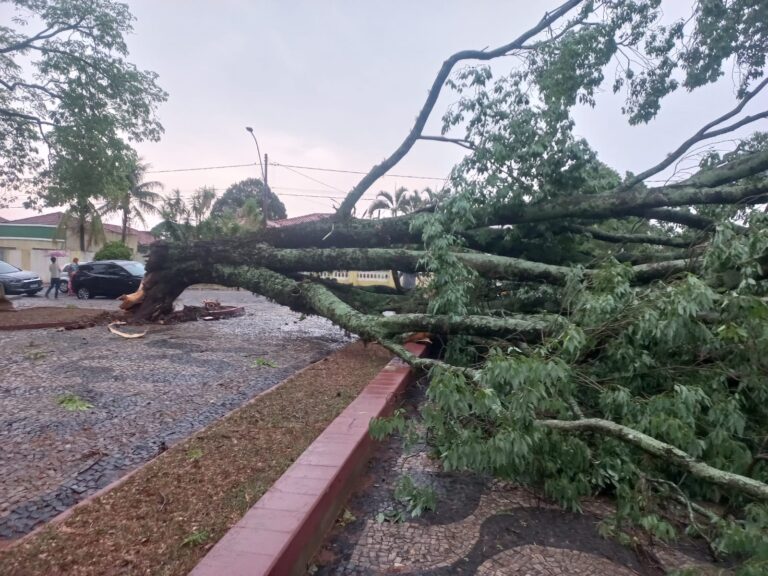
pixel 264 193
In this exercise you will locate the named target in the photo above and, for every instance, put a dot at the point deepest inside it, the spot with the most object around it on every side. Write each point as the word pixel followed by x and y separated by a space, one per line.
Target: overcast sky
pixel 337 84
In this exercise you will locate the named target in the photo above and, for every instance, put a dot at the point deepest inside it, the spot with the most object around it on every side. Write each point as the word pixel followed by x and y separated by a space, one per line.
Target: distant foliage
pixel 114 251
pixel 251 189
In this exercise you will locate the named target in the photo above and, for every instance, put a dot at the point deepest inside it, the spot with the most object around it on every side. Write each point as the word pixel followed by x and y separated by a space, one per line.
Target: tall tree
pixel 138 198
pixel 90 168
pixel 602 334
pixel 235 197
pixel 201 203
pixel 61 62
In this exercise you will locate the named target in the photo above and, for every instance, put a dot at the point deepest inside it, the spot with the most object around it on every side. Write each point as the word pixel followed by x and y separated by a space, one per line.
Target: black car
pixel 16 281
pixel 111 278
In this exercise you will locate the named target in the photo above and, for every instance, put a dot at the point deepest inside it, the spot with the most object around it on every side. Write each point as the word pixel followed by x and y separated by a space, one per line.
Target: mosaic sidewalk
pixel 483 527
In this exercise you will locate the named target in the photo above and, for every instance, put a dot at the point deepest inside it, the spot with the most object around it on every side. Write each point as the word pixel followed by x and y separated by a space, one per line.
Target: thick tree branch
pixel 531 329
pixel 613 205
pixel 678 217
pixel 37 87
pixel 46 34
pixel 749 486
pixel 458 141
pixel 703 133
pixel 27 117
pixel 742 167
pixel 598 234
pixel 380 169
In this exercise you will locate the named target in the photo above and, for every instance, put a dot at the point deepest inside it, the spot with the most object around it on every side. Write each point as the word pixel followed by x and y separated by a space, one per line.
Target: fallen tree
pixel 599 333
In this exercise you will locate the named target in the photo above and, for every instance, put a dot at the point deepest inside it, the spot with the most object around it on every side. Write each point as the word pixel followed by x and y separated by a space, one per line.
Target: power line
pixel 323 194
pixel 360 172
pixel 203 168
pixel 294 166
pixel 311 178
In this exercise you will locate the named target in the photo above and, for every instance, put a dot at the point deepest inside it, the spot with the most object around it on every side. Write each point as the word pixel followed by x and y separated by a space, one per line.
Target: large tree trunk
pixel 81 232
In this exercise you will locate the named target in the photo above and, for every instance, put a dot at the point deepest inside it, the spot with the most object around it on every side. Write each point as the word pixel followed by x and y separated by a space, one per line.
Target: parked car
pixel 17 281
pixel 110 278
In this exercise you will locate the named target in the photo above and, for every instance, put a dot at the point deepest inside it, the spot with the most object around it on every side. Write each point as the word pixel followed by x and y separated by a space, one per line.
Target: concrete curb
pixel 279 535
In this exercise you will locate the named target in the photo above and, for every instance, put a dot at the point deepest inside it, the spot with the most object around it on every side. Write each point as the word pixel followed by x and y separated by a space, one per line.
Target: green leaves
pixel 69 84
pixel 416 499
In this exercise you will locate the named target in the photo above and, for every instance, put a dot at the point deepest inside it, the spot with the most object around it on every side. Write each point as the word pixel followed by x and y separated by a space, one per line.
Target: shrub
pixel 114 251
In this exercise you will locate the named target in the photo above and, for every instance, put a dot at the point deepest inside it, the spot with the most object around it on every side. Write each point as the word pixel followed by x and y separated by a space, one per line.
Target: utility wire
pixel 203 168
pixel 290 166
pixel 312 179
pixel 360 172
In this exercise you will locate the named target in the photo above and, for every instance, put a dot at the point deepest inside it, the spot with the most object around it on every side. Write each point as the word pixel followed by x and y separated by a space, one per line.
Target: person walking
pixel 55 274
pixel 70 269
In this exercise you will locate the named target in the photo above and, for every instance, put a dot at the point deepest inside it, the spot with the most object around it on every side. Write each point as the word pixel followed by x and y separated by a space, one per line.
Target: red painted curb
pixel 280 533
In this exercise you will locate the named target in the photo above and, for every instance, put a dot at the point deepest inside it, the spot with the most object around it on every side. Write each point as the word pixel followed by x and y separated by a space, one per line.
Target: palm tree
pixel 401 202
pixel 202 201
pixel 140 198
pixel 175 214
pixel 86 218
pixel 428 197
pixel 174 208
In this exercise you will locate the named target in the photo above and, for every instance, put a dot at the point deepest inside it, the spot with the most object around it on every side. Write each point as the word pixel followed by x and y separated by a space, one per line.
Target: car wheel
pixel 83 293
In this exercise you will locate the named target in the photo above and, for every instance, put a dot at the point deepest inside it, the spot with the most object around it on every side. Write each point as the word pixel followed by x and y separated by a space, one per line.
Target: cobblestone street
pixel 145 394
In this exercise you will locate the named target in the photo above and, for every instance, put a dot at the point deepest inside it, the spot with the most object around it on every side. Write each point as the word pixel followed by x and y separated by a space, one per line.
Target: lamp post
pixel 264 168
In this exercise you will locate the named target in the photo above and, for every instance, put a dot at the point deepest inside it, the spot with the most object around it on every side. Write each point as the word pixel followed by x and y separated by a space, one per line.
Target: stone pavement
pixel 145 393
pixel 481 526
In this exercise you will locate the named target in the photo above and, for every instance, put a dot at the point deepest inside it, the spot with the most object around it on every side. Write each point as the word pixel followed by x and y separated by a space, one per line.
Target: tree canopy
pixel 235 197
pixel 598 332
pixel 64 73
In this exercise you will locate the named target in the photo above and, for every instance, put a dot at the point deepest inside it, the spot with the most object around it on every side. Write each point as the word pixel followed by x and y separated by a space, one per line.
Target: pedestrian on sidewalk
pixel 53 268
pixel 70 269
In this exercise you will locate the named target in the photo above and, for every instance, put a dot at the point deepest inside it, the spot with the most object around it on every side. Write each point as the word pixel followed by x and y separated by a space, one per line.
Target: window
pixel 115 270
pixel 6 268
pixel 98 268
pixel 135 268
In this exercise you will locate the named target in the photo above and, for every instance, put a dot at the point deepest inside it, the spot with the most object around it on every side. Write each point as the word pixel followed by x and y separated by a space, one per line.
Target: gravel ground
pixel 145 394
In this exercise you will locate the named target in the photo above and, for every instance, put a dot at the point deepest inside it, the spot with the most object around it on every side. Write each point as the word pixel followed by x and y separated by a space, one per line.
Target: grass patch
pixel 196 538
pixel 194 454
pixel 35 354
pixel 260 362
pixel 73 403
pixel 155 522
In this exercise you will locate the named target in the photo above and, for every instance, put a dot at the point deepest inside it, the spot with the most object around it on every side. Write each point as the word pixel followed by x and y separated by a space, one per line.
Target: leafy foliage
pixel 64 76
pixel 114 251
pixel 416 499
pixel 240 193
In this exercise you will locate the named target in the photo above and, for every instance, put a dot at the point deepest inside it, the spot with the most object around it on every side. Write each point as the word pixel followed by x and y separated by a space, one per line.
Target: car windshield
pixel 135 268
pixel 6 268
